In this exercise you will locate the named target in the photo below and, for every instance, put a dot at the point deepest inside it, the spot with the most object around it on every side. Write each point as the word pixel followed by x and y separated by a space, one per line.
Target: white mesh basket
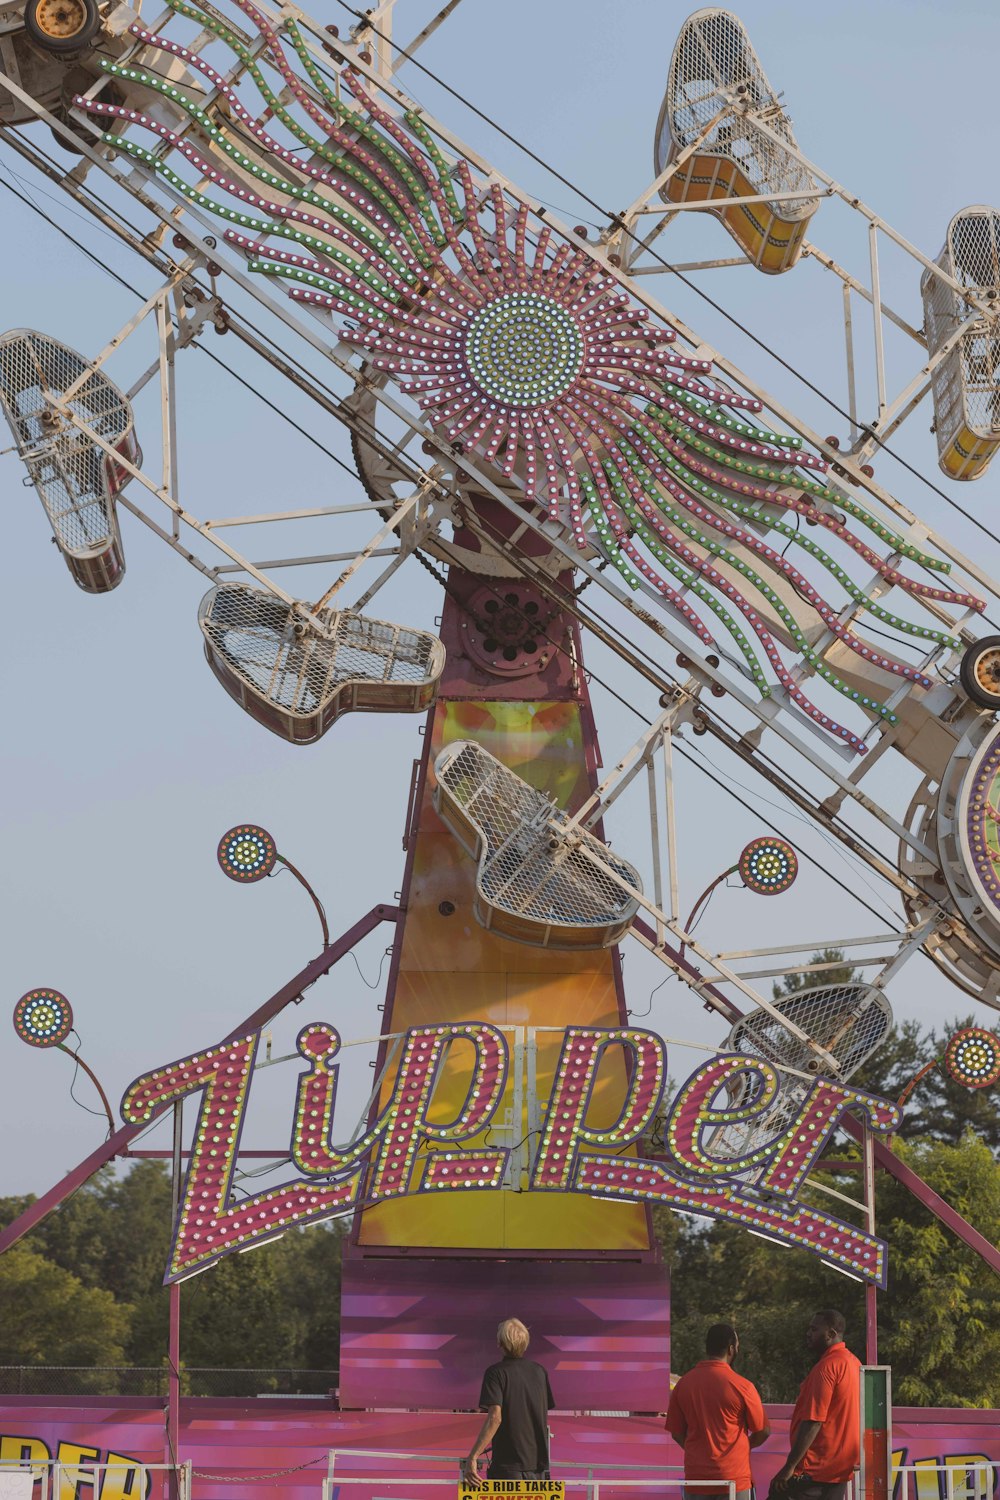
pixel 966 385
pixel 297 678
pixel 713 71
pixel 74 477
pixel 535 883
pixel 850 1021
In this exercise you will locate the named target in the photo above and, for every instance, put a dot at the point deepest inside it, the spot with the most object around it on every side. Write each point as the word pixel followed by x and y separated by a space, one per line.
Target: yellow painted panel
pixel 769 241
pixel 967 455
pixel 452 969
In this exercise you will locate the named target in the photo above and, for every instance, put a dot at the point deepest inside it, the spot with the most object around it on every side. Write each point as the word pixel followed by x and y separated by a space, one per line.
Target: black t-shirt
pixel 521 1389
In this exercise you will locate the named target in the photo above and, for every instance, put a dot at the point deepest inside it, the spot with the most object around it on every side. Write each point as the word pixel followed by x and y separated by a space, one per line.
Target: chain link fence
pixel 130 1380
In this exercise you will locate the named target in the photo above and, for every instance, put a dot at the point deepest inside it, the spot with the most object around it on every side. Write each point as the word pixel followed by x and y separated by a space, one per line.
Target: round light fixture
pixel 247 853
pixel 43 1018
pixel 972 1058
pixel 768 866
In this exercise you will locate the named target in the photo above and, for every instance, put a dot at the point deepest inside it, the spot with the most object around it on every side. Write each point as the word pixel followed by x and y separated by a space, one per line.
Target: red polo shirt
pixel 717 1408
pixel 831 1394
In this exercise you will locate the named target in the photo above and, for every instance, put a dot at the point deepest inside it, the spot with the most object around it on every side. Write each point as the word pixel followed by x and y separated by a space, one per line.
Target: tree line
pixel 939 1319
pixel 84 1288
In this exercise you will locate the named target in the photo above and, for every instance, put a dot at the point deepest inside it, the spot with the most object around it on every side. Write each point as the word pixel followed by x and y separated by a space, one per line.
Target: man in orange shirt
pixel 717 1417
pixel 826 1423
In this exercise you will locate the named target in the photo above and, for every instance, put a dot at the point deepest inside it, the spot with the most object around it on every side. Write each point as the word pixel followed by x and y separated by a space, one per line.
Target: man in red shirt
pixel 717 1417
pixel 826 1423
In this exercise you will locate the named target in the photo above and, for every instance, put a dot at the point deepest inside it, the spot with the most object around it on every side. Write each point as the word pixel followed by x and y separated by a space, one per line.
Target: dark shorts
pixel 508 1471
pixel 801 1487
pixel 707 1494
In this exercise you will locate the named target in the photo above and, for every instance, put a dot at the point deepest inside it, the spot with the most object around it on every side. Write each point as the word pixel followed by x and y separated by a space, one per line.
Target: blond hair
pixel 513 1337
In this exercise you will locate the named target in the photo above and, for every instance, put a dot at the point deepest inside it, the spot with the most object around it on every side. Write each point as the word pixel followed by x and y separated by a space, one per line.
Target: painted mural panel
pixel 266 1447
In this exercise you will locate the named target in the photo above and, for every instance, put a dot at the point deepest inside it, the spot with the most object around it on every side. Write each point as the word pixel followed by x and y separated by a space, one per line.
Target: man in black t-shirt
pixel 517 1398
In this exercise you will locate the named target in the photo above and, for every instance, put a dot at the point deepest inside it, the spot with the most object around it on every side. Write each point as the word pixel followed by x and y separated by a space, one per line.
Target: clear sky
pixel 123 760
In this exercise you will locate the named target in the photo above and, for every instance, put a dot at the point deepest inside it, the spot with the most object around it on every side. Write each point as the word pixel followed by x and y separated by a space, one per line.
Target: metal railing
pixel 585 1477
pixel 978 1479
pixel 455 1463
pixel 656 1482
pixel 963 1479
pixel 136 1479
pixel 152 1380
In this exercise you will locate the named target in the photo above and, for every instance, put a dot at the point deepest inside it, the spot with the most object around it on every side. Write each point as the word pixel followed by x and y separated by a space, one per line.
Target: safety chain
pixel 252 1478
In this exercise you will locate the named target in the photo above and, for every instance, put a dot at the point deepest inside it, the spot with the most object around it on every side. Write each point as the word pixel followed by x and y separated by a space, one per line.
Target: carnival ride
pixel 529 422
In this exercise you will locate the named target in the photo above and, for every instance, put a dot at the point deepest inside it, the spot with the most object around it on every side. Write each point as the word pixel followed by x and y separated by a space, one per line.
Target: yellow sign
pixel 510 1489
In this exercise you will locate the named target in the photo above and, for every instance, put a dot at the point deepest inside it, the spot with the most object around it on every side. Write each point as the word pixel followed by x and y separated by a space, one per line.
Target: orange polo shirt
pixel 831 1394
pixel 717 1408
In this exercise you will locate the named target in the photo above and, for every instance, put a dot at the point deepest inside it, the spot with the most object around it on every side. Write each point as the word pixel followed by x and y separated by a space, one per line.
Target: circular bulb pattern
pixel 768 866
pixel 524 349
pixel 43 1018
pixel 247 853
pixel 972 1058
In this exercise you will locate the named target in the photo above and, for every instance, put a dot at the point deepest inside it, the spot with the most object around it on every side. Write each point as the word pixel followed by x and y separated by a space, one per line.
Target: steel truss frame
pixel 182 307
pixel 623 238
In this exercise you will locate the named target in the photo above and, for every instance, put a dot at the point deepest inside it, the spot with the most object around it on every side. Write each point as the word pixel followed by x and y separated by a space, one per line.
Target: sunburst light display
pixel 524 352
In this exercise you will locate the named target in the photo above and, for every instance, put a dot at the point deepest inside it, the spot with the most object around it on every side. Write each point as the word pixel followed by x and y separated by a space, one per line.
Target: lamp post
pixel 248 853
pixel 44 1018
pixel 767 866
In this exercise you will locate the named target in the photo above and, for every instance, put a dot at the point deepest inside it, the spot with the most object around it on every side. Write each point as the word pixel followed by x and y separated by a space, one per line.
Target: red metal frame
pixel 882 1155
pixel 117 1144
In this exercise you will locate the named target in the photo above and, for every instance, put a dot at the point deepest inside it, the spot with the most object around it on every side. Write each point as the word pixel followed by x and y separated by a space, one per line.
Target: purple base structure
pixel 599 1327
pixel 262 1448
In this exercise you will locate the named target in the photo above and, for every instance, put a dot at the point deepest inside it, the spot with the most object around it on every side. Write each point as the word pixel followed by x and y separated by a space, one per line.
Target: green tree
pixel 72 1235
pixel 309 1271
pixel 115 1234
pixel 48 1316
pixel 723 1274
pixel 841 973
pixel 939 1320
pixel 941 1315
pixel 896 1062
pixel 233 1315
pixel 277 1308
pixel 137 1211
pixel 138 1214
pixel 937 1107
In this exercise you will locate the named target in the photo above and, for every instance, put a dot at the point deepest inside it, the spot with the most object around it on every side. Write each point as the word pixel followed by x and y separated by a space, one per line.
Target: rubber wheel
pixel 62 27
pixel 980 672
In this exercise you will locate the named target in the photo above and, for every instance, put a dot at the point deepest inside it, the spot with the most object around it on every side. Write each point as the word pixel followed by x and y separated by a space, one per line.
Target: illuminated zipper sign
pixel 405 1151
